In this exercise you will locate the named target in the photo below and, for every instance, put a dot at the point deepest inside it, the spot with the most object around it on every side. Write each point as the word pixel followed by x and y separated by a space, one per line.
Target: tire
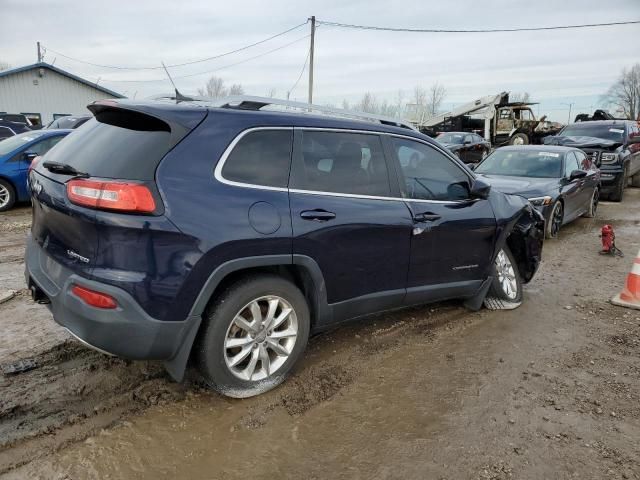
pixel 593 205
pixel 554 223
pixel 618 192
pixel 7 196
pixel 519 139
pixel 505 292
pixel 244 379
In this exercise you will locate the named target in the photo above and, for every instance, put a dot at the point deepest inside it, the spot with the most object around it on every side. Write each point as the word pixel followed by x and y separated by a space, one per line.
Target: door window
pixel 583 161
pixel 468 139
pixel 44 146
pixel 429 174
pixel 336 162
pixel 262 157
pixel 570 164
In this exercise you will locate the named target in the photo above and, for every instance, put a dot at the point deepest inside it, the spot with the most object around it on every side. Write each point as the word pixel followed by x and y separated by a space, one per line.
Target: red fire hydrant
pixel 608 237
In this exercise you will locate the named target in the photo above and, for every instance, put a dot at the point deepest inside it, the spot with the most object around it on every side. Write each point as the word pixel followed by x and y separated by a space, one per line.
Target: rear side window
pixel 338 162
pixel 116 144
pixel 261 158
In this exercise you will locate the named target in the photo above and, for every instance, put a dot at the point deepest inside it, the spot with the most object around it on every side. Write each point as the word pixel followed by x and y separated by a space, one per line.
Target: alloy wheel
pixel 506 275
pixel 4 196
pixel 594 201
pixel 556 220
pixel 261 338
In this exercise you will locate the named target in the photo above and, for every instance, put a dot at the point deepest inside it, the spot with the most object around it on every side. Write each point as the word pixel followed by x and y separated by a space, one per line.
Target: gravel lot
pixel 549 390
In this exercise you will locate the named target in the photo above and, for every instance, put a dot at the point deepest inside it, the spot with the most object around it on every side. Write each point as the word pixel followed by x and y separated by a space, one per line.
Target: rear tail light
pixel 93 298
pixel 121 196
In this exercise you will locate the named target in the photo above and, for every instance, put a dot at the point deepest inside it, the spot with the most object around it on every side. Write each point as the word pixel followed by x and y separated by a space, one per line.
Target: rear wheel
pixel 253 335
pixel 7 196
pixel 519 139
pixel 554 222
pixel 506 288
pixel 593 206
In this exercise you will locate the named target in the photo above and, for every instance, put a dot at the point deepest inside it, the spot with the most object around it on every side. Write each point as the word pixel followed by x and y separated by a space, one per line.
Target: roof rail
pixel 246 102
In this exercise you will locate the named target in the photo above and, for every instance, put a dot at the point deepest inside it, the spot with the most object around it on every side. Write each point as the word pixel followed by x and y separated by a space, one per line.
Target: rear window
pixel 116 144
pixel 262 157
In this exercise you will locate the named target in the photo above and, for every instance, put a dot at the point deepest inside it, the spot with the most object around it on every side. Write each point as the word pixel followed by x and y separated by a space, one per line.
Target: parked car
pixel 613 145
pixel 9 129
pixel 468 147
pixel 16 155
pixel 69 121
pixel 17 118
pixel 561 182
pixel 169 231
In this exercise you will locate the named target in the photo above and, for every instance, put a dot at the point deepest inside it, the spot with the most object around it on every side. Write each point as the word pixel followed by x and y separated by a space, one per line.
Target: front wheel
pixel 554 222
pixel 505 292
pixel 519 139
pixel 7 196
pixel 254 334
pixel 593 205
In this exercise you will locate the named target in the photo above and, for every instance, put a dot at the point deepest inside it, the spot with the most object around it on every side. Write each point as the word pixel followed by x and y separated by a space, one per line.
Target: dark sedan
pixel 69 121
pixel 561 182
pixel 469 147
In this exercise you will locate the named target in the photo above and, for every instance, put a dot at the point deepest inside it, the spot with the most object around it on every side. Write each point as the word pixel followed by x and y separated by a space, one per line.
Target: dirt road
pixel 550 390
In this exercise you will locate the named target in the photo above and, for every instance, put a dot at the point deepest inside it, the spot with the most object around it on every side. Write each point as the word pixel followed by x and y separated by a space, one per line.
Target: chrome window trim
pixel 227 152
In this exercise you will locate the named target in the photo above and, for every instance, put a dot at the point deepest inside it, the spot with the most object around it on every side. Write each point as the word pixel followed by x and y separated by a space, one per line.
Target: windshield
pixel 518 163
pixel 608 132
pixel 454 138
pixel 10 144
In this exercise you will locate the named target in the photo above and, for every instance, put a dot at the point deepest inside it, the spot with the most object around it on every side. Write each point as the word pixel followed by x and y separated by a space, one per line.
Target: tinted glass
pixel 570 164
pixel 429 174
pixel 261 158
pixel 522 163
pixel 583 161
pixel 341 163
pixel 453 138
pixel 10 144
pixel 45 145
pixel 5 132
pixel 586 129
pixel 116 145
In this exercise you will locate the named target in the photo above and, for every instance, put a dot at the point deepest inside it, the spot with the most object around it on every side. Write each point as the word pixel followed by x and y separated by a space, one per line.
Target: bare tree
pixel 345 105
pixel 436 95
pixel 236 89
pixel 624 95
pixel 4 65
pixel 400 107
pixel 368 103
pixel 214 88
pixel 272 92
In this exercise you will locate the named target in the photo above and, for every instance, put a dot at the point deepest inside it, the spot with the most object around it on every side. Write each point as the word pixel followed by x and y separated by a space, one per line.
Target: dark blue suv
pixel 228 234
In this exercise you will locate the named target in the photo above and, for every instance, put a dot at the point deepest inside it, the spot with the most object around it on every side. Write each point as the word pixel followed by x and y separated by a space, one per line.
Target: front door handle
pixel 426 217
pixel 317 215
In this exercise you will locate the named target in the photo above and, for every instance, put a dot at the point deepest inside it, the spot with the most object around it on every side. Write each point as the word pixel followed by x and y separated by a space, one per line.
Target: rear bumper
pixel 126 331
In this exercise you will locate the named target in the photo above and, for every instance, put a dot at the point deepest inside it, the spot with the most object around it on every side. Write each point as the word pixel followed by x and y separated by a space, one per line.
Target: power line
pixel 488 30
pixel 211 71
pixel 304 66
pixel 179 64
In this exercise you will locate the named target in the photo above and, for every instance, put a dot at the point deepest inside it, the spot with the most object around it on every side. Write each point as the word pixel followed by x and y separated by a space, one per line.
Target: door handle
pixel 317 215
pixel 426 217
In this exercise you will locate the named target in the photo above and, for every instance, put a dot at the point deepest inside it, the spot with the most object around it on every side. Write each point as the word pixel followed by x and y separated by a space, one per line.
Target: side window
pixel 469 138
pixel 429 174
pixel 262 158
pixel 505 113
pixel 583 162
pixel 570 164
pixel 478 138
pixel 44 146
pixel 338 162
pixel 5 132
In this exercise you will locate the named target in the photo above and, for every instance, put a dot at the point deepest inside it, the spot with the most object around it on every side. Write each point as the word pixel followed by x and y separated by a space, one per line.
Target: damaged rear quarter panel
pixel 521 228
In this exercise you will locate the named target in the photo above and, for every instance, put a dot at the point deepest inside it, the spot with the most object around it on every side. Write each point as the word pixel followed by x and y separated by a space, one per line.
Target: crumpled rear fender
pixel 521 228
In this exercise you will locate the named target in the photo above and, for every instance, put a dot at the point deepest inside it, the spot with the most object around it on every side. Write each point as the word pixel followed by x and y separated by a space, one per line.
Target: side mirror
pixel 29 156
pixel 480 189
pixel 577 174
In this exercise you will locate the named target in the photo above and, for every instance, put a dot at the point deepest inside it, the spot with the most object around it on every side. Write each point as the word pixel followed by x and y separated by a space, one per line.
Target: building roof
pixel 6 73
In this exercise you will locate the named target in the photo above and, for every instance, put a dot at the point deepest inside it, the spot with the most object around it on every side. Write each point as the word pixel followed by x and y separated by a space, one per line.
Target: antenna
pixel 179 96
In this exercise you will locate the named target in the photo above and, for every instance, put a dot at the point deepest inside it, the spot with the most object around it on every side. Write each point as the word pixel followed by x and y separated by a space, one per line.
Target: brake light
pixel 33 163
pixel 93 298
pixel 122 196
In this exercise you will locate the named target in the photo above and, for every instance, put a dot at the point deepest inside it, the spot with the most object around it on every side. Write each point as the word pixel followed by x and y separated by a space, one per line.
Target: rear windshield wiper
pixel 64 169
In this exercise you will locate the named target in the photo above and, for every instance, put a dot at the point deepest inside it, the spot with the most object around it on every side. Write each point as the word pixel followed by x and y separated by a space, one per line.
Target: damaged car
pixel 560 182
pixel 613 145
pixel 225 234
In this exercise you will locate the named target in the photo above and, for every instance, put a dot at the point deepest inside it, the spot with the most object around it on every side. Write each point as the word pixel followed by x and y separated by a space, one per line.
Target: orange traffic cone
pixel 630 295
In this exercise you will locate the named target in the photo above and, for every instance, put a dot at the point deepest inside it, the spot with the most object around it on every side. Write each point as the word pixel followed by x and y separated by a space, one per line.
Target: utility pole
pixel 39 54
pixel 570 105
pixel 313 37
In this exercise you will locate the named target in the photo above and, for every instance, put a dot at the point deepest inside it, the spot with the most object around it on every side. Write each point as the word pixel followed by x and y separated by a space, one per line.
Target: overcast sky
pixel 555 67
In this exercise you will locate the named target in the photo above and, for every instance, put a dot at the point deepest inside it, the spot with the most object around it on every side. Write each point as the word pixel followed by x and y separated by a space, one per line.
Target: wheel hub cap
pixel 506 275
pixel 260 338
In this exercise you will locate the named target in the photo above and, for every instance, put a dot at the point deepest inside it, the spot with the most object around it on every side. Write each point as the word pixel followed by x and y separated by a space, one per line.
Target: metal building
pixel 43 92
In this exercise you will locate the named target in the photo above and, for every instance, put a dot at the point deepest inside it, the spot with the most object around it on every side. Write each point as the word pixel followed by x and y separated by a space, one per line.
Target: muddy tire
pixel 554 223
pixel 519 139
pixel 593 205
pixel 7 196
pixel 253 335
pixel 618 192
pixel 505 292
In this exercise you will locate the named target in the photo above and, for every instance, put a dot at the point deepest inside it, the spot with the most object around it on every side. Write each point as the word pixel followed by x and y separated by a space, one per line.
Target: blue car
pixel 16 154
pixel 226 235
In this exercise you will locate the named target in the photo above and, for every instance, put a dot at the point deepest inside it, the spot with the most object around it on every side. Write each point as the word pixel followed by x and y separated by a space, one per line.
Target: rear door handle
pixel 426 217
pixel 317 215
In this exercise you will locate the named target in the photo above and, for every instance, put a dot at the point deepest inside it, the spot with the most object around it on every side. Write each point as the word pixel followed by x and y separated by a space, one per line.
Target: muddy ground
pixel 550 390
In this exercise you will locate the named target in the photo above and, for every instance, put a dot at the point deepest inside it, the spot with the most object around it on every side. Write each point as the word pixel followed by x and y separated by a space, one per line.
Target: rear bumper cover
pixel 126 331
